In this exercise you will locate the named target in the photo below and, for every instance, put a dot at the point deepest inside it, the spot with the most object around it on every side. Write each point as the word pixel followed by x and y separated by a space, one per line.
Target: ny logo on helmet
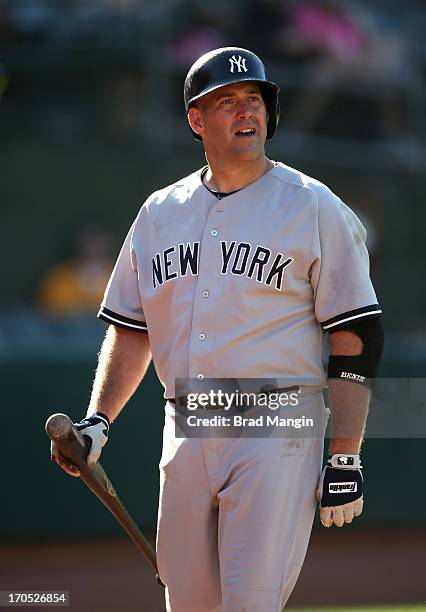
pixel 238 63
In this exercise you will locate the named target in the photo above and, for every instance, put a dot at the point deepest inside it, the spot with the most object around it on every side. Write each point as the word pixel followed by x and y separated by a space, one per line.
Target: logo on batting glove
pixel 340 485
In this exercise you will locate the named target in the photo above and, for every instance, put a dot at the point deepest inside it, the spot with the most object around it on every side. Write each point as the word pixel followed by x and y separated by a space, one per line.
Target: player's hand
pixel 340 490
pixel 95 430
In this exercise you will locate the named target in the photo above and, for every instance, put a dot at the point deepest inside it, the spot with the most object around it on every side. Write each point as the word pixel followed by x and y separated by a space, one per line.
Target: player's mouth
pixel 246 132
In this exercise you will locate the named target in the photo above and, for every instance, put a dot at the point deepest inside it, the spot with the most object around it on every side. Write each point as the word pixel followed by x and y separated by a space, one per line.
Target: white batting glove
pixel 340 490
pixel 95 430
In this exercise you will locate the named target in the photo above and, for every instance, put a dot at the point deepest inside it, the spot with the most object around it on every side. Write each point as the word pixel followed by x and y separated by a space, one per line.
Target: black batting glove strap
pixel 104 416
pixel 341 485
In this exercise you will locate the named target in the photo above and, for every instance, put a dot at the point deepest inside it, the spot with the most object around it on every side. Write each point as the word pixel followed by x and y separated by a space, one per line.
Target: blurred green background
pixel 91 122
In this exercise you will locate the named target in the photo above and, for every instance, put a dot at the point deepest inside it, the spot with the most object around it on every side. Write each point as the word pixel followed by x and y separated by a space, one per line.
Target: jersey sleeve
pixel 121 305
pixel 343 291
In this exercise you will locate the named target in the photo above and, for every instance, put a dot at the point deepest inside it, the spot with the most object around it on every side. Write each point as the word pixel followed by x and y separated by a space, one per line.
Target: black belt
pixel 183 399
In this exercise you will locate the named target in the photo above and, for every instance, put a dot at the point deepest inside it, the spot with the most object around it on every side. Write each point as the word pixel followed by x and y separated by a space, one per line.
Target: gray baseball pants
pixel 235 517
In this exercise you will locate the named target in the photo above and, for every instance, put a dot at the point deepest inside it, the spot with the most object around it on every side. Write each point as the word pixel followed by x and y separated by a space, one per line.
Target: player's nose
pixel 244 110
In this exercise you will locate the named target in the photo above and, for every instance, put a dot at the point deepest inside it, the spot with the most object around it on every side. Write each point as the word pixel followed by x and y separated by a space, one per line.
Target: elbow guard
pixel 360 368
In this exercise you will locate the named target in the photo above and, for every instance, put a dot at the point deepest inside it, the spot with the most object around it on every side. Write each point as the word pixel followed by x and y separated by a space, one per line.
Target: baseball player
pixel 244 269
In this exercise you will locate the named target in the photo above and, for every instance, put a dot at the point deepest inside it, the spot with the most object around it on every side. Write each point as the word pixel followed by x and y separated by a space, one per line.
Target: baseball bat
pixel 72 446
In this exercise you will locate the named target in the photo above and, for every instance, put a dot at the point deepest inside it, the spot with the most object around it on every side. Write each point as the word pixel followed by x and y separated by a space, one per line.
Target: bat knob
pixel 70 443
pixel 58 426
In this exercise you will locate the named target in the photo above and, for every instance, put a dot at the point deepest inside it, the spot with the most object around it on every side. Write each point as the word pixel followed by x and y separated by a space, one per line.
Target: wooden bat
pixel 72 446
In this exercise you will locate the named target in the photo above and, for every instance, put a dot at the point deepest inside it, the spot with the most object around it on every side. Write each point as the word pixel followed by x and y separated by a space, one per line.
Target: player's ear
pixel 194 120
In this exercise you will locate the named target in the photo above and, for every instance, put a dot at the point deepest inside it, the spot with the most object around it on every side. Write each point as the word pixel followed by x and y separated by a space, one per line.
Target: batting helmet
pixel 226 66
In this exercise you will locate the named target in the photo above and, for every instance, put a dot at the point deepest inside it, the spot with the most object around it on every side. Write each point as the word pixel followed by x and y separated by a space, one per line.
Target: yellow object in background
pixel 71 288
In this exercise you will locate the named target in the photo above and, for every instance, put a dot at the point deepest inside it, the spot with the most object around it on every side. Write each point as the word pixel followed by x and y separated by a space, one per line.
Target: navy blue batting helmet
pixel 226 66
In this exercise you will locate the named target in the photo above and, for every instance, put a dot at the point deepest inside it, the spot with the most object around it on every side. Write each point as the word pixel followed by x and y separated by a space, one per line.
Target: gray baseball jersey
pixel 242 286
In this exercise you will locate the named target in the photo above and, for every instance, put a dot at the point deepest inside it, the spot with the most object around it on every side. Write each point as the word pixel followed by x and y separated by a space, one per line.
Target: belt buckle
pixel 209 408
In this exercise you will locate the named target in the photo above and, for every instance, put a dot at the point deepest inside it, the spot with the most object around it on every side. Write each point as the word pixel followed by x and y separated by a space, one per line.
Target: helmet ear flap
pixel 272 104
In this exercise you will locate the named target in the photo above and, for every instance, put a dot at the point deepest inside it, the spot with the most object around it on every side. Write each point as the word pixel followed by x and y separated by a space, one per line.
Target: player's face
pixel 232 121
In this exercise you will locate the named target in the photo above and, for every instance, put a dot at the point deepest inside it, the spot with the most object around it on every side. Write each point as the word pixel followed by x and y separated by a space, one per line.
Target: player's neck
pixel 225 178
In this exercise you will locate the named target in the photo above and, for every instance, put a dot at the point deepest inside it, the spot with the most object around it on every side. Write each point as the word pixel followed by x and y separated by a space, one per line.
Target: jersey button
pixel 202 336
pixel 214 232
pixel 205 293
pixel 200 376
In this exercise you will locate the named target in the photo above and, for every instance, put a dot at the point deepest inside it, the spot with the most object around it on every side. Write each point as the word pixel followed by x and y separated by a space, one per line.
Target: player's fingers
pixel 338 516
pixel 70 469
pixel 325 516
pixel 56 456
pixel 358 505
pixel 349 511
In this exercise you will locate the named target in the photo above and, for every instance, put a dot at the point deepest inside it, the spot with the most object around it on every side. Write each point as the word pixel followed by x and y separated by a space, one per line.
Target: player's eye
pixel 227 101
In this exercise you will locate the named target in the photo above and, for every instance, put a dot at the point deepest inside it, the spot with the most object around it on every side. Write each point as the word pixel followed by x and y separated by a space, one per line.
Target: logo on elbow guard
pixel 352 376
pixel 342 487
